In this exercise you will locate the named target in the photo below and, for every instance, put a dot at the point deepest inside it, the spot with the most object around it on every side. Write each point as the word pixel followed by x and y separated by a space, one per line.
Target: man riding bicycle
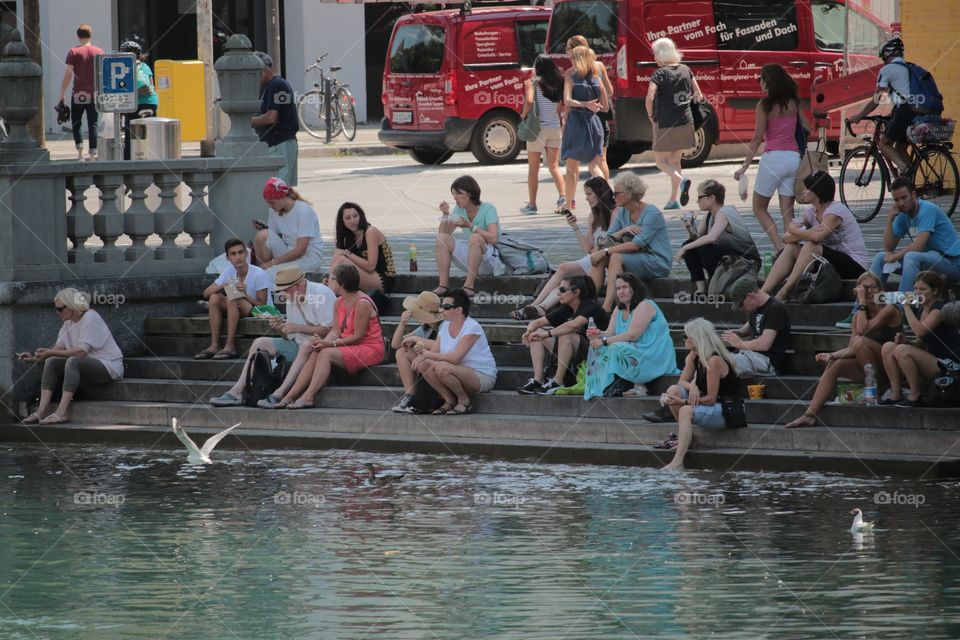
pixel 894 80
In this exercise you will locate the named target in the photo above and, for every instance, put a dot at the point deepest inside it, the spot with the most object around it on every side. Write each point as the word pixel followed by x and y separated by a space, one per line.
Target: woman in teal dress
pixel 635 347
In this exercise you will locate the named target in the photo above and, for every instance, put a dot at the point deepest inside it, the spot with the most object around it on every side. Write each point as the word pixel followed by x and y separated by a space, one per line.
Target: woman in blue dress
pixel 582 141
pixel 636 346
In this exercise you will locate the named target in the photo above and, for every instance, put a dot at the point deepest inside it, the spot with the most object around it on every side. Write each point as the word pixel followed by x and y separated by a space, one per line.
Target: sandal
pixel 54 418
pixel 206 354
pixel 225 354
pixel 457 411
pixel 445 409
pixel 441 290
pixel 529 312
pixel 283 404
pixel 470 291
pixel 33 418
pixel 299 405
pixel 670 442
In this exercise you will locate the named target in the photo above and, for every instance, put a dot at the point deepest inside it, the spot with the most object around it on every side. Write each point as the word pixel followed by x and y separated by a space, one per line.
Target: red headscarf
pixel 275 189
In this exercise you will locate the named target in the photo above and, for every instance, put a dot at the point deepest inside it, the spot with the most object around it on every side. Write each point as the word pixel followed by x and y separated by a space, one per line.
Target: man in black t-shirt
pixel 563 331
pixel 276 122
pixel 767 332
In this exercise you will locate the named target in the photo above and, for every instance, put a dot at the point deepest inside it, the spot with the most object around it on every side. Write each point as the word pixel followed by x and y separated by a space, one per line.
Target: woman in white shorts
pixel 545 89
pixel 776 126
pixel 475 251
pixel 291 235
pixel 599 196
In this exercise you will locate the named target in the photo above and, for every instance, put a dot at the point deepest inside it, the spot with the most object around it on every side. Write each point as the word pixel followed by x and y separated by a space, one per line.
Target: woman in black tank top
pixel 365 247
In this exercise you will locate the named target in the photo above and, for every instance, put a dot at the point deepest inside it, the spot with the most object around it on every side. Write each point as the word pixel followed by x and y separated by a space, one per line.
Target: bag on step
pixel 819 283
pixel 260 380
pixel 425 398
pixel 730 269
pixel 944 390
pixel 734 411
pixel 520 258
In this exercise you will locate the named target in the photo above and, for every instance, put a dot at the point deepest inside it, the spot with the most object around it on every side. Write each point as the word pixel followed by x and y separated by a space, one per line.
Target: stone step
pixel 366 424
pixel 380 398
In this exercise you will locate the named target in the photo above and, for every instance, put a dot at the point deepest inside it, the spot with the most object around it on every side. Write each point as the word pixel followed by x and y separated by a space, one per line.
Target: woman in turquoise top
pixel 147 98
pixel 475 250
pixel 636 346
pixel 640 233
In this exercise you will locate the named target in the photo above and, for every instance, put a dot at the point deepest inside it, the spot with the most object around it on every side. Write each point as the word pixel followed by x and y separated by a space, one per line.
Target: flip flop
pixel 670 442
pixel 442 411
pixel 456 411
pixel 205 355
pixel 299 405
pixel 33 418
pixel 441 293
pixel 224 354
pixel 54 418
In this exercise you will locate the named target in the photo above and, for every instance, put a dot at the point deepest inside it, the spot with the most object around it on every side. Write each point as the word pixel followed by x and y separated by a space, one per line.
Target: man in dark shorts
pixel 277 123
pixel 80 62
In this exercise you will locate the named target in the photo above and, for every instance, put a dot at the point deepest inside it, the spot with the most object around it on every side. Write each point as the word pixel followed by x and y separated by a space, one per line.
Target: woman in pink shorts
pixel 354 343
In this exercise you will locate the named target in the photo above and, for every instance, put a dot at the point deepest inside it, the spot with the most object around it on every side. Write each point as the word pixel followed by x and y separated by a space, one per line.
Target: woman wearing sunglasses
pixel 85 350
pixel 459 363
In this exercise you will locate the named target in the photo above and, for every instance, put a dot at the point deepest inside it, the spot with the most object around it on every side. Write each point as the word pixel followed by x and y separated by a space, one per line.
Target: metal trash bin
pixel 154 139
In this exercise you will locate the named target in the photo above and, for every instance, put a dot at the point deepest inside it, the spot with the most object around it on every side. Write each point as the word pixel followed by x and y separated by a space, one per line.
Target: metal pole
pixel 205 55
pixel 118 136
pixel 273 35
pixel 842 148
pixel 327 104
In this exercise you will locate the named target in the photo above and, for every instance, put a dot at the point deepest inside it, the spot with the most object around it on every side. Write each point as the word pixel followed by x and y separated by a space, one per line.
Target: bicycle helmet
pixel 892 48
pixel 131 46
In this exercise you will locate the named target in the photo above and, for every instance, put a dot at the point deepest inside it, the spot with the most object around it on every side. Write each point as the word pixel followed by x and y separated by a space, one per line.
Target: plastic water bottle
pixel 869 386
pixel 592 330
pixel 767 263
pixel 413 258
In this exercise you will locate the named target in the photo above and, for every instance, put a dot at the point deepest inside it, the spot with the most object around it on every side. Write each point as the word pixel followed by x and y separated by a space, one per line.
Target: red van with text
pixel 725 43
pixel 453 81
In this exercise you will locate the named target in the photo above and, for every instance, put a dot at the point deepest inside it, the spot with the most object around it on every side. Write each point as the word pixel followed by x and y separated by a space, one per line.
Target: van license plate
pixel 402 117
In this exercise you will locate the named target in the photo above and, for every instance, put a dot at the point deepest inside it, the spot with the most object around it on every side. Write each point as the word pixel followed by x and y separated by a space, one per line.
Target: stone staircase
pixel 164 382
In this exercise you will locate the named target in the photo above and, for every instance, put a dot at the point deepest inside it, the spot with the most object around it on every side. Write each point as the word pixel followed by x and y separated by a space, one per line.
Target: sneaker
pixel 561 205
pixel 672 204
pixel 846 323
pixel 528 209
pixel 573 205
pixel 531 387
pixel 663 414
pixel 226 400
pixel 549 389
pixel 405 405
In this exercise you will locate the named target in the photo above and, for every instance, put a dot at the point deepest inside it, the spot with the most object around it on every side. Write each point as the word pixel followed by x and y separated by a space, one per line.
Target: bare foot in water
pixel 806 420
pixel 673 466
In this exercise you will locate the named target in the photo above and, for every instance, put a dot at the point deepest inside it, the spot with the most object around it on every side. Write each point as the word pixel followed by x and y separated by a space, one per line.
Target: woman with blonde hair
pixel 709 374
pixel 582 141
pixel 291 235
pixel 84 351
pixel 605 116
pixel 672 88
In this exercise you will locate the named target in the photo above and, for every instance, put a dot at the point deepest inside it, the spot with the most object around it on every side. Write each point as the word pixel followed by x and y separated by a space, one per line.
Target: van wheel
pixel 428 155
pixel 702 143
pixel 618 156
pixel 495 139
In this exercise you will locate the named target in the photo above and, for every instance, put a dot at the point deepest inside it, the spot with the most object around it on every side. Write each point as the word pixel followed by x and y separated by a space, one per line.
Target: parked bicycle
pixel 311 106
pixel 865 176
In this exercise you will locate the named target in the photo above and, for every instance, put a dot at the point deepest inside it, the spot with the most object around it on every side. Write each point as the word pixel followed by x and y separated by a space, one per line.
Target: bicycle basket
pixel 925 132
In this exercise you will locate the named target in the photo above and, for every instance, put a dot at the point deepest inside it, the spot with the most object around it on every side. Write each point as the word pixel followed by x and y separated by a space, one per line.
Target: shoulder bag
pixel 734 411
pixel 811 161
pixel 529 127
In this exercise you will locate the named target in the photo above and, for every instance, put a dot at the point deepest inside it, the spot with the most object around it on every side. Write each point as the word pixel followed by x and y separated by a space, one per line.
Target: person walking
pixel 582 141
pixel 80 62
pixel 606 117
pixel 147 100
pixel 276 122
pixel 545 89
pixel 672 87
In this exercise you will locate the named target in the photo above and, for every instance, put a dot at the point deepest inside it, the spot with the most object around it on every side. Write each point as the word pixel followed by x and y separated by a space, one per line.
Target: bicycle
pixel 865 176
pixel 310 106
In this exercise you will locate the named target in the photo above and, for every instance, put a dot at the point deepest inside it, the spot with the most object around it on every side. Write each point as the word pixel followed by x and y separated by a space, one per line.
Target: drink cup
pixel 756 391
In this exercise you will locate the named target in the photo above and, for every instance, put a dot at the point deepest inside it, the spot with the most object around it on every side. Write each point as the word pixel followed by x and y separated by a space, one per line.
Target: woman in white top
pixel 545 89
pixel 291 235
pixel 829 230
pixel 459 364
pixel 85 350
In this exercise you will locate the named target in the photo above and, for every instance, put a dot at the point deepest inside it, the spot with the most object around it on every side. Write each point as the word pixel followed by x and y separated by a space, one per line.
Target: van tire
pixel 429 155
pixel 495 138
pixel 703 140
pixel 617 156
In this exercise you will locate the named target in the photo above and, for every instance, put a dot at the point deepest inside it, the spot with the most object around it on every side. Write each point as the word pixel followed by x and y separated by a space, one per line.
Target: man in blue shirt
pixel 276 122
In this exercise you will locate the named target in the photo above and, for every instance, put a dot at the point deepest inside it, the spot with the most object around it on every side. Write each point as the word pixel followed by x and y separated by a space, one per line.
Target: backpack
pixel 924 96
pixel 944 390
pixel 262 377
pixel 820 283
pixel 730 269
pixel 521 258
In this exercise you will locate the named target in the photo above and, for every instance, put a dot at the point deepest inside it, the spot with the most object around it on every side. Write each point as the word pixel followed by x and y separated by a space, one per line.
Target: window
pixel 596 21
pixel 417 48
pixel 759 25
pixel 865 35
pixel 532 37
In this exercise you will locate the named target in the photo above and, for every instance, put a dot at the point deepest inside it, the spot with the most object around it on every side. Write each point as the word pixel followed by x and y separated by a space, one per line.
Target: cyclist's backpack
pixel 924 96
pixel 521 258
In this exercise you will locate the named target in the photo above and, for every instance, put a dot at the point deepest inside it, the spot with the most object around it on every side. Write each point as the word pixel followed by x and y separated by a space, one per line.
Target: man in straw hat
pixel 309 313
pixel 425 309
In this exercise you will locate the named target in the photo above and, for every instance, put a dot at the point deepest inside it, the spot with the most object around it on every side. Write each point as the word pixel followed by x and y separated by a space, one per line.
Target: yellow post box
pixel 180 89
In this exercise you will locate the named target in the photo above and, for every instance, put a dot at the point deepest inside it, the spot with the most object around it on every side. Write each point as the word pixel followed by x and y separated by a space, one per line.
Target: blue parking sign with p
pixel 116 82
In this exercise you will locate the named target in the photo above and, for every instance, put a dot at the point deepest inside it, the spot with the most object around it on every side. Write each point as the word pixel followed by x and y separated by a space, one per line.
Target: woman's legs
pixel 445 246
pixel 74 369
pixel 807 250
pixel 303 356
pixel 476 248
pixel 303 378
pixel 666 162
pixel 52 373
pixel 570 180
pixel 404 357
pixel 684 436
pixel 782 267
pixel 533 176
pixel 761 209
pixel 917 366
pixel 565 270
pixel 786 210
pixel 438 383
pixel 321 373
pixel 553 164
pixel 826 388
pixel 461 381
pixel 614 268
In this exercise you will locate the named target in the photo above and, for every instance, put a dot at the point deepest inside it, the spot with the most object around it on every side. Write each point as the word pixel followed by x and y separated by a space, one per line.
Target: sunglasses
pixel 619 193
pixel 702 196
pixel 59 309
pixel 565 289
pixel 447 307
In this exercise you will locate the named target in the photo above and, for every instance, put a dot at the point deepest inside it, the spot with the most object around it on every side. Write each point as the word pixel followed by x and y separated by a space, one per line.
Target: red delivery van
pixel 453 80
pixel 725 43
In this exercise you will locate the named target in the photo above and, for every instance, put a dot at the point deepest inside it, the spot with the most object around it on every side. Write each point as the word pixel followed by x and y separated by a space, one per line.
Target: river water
pixel 102 542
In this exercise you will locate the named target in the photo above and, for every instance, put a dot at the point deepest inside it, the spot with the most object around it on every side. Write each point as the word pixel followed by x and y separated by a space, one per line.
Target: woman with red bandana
pixel 291 235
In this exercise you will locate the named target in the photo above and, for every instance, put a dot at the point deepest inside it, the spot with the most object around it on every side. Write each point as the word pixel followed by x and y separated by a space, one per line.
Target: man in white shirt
pixel 237 290
pixel 894 81
pixel 309 314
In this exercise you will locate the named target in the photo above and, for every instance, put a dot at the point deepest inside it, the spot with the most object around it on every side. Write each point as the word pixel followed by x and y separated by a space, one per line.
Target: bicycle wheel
pixel 348 117
pixel 935 176
pixel 310 113
pixel 863 183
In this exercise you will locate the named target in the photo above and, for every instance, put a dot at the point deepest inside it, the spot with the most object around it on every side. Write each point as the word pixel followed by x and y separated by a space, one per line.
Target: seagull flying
pixel 195 454
pixel 859 526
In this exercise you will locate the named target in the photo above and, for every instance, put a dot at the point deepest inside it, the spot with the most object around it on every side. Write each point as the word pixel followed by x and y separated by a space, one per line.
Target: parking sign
pixel 116 83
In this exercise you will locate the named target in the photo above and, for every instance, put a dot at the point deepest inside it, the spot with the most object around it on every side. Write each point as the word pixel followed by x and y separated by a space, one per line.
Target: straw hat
pixel 424 307
pixel 287 278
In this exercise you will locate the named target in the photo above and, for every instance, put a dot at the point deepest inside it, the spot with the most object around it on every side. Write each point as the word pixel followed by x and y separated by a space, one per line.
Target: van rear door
pixel 413 80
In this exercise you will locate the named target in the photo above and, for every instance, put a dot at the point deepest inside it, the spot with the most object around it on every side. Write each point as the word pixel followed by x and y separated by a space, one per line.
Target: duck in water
pixel 373 478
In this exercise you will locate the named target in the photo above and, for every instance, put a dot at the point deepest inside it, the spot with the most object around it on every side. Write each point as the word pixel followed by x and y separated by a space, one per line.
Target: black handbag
pixel 734 411
pixel 425 398
pixel 617 388
pixel 944 390
pixel 819 284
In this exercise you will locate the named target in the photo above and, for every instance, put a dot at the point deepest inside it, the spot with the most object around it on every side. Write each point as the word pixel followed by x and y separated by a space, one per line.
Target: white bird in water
pixel 859 526
pixel 197 455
